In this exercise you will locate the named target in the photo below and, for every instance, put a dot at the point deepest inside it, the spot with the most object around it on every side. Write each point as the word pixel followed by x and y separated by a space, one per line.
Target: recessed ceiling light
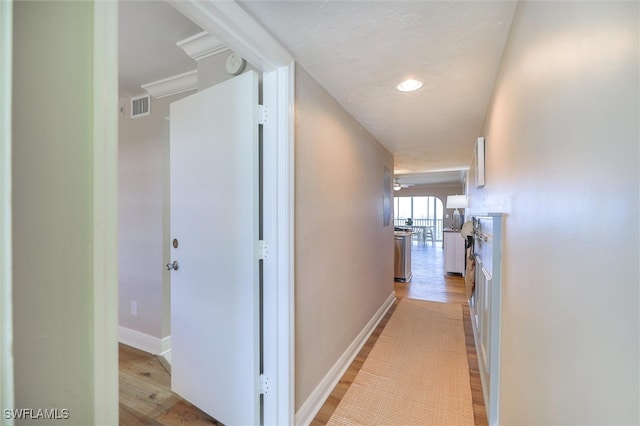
pixel 409 85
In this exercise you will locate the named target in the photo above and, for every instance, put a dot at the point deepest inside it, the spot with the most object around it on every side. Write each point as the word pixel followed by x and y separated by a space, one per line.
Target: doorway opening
pixel 425 214
pixel 429 280
pixel 276 70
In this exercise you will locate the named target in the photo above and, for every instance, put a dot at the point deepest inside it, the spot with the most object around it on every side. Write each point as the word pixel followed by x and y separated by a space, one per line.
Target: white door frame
pixel 240 32
pixel 105 212
pixel 6 312
pixel 105 274
pixel 228 21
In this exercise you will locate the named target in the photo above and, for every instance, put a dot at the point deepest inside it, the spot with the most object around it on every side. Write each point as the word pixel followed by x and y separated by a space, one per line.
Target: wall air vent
pixel 140 106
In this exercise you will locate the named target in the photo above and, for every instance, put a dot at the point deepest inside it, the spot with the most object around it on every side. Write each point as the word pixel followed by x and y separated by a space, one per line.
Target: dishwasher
pixel 402 256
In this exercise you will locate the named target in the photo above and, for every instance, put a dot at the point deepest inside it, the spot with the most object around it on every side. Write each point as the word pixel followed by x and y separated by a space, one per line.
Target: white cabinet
pixel 453 252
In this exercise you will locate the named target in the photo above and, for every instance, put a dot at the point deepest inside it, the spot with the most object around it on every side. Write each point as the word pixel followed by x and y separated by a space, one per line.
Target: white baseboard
pixel 316 399
pixel 144 342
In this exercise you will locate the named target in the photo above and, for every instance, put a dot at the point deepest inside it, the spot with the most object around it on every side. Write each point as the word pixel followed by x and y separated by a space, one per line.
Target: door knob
pixel 175 265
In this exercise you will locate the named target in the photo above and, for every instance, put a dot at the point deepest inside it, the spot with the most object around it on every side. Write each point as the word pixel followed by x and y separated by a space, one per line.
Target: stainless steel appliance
pixel 402 256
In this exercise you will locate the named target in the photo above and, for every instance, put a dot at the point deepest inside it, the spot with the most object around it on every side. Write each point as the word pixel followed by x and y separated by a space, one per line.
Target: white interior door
pixel 214 218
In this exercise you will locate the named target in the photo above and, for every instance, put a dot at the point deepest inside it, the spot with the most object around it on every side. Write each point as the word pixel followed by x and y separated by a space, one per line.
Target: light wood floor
pixel 145 393
pixel 145 381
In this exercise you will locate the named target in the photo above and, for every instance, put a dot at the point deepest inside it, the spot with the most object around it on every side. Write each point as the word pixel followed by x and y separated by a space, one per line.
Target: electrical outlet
pixel 134 308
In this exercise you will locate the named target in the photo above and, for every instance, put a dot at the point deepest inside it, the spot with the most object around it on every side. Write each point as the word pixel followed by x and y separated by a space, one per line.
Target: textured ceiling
pixel 359 51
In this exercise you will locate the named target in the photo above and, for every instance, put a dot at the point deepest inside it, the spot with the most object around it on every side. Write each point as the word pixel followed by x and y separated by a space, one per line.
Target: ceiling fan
pixel 397 186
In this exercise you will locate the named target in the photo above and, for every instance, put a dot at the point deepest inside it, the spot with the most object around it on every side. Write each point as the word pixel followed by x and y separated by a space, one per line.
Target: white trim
pixel 173 85
pixel 278 230
pixel 239 31
pixel 144 342
pixel 167 356
pixel 105 195
pixel 270 271
pixel 317 398
pixel 285 368
pixel 489 253
pixel 202 45
pixel 6 310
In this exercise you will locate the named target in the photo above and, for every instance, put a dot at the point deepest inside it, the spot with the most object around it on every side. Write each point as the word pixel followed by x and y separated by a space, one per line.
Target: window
pixel 403 209
pixel 424 211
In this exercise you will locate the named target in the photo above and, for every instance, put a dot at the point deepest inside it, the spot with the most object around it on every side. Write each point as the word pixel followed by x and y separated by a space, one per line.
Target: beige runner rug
pixel 416 374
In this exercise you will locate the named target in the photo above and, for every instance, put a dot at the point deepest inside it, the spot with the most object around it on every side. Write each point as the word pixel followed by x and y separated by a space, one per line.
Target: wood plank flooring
pixel 347 379
pixel 145 383
pixel 145 393
pixel 428 283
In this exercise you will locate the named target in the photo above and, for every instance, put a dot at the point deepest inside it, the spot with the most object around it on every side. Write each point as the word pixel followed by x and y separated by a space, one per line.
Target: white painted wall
pixel 143 217
pixel 53 208
pixel 562 161
pixel 344 255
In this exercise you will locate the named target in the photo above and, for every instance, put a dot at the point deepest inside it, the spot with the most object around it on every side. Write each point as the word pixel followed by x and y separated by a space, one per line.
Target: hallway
pixel 145 392
pixel 428 283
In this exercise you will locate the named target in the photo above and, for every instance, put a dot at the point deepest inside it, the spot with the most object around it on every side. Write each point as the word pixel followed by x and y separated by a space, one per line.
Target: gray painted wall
pixel 344 255
pixel 562 162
